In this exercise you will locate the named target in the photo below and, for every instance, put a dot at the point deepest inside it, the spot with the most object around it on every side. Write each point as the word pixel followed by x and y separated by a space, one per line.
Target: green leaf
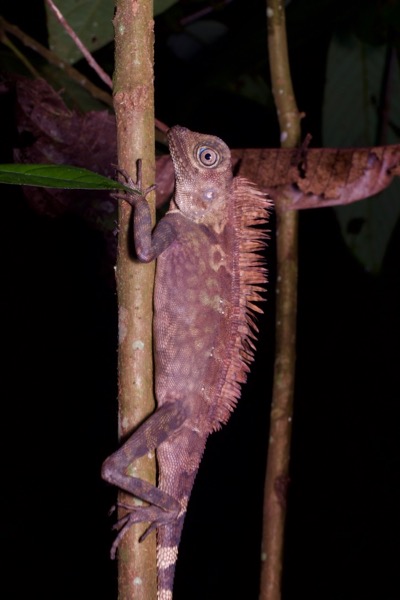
pixel 90 19
pixel 352 92
pixel 350 119
pixel 58 176
pixel 368 225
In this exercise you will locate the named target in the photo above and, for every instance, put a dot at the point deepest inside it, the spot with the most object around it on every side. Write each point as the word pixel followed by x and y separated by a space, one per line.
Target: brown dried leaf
pixel 317 177
pixel 49 132
pixel 59 135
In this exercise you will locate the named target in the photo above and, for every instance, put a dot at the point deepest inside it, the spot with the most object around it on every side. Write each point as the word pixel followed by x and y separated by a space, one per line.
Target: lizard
pixel 209 276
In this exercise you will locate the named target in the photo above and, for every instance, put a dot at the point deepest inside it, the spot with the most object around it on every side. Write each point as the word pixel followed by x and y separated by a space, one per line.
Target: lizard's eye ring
pixel 208 157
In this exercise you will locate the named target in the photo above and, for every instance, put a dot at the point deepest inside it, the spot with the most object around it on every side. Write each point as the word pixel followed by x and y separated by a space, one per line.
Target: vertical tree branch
pixel 134 108
pixel 277 474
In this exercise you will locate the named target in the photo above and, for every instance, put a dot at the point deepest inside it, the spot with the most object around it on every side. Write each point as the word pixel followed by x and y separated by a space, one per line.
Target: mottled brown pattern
pixel 316 177
pixel 209 276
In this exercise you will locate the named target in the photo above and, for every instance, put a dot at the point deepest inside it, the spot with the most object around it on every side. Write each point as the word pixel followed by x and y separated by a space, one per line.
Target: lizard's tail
pixel 168 538
pixel 178 462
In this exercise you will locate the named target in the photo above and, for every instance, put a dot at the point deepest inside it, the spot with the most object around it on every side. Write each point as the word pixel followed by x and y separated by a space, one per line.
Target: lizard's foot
pixel 137 514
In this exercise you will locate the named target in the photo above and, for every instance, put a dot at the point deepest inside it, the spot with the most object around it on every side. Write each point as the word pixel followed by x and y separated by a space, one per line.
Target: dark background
pixel 59 345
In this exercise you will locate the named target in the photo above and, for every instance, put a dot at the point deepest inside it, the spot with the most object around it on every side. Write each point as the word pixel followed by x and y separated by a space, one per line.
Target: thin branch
pixel 161 126
pixel 73 73
pixel 203 12
pixel 80 45
pixel 134 110
pixel 4 39
pixel 53 59
pixel 277 475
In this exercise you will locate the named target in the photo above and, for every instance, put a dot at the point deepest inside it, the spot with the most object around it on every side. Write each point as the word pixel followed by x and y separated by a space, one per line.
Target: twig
pixel 203 12
pixel 80 45
pixel 7 42
pixel 53 59
pixel 161 126
pixel 277 475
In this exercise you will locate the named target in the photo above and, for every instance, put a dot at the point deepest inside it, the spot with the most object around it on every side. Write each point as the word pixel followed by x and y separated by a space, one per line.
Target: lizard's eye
pixel 207 156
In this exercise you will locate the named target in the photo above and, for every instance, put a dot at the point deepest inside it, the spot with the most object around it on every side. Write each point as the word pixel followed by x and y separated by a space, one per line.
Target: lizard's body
pixel 208 276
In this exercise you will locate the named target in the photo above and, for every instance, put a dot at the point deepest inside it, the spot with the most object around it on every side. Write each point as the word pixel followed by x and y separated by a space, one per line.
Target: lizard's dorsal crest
pixel 250 210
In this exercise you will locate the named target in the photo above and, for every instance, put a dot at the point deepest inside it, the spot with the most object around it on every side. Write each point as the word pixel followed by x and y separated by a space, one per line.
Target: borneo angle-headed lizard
pixel 209 275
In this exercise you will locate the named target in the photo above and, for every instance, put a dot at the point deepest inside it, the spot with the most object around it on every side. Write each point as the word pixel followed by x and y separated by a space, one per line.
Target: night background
pixel 59 329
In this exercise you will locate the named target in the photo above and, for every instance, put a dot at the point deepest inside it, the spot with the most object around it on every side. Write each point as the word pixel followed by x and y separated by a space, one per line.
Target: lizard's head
pixel 203 173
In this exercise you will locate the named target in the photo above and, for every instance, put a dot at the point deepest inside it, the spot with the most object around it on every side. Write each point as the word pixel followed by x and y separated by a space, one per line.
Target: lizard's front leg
pixel 149 243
